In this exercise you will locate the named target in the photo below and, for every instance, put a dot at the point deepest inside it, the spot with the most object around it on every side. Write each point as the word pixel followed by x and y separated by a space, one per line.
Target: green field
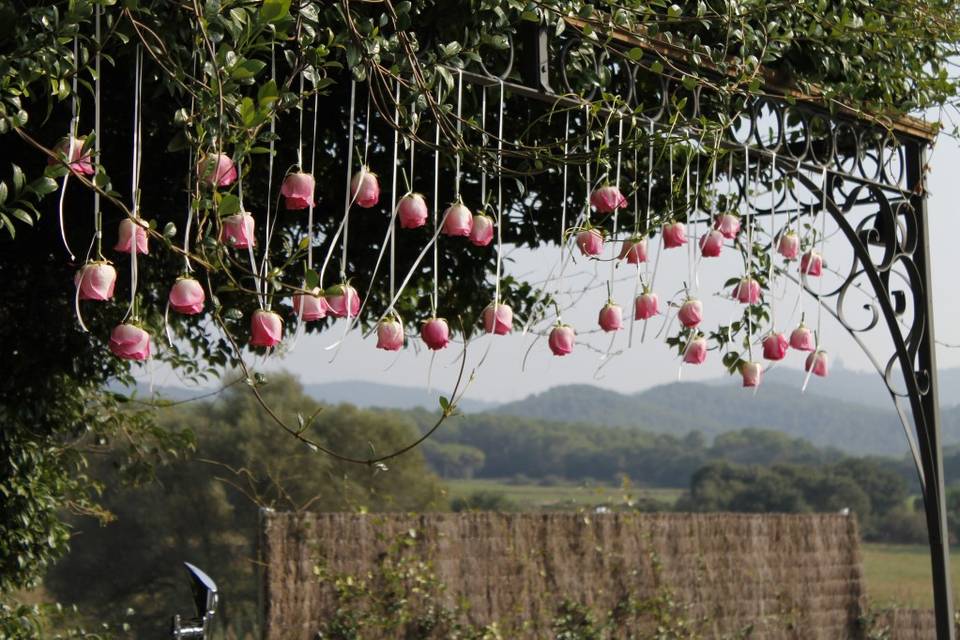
pixel 534 497
pixel 900 574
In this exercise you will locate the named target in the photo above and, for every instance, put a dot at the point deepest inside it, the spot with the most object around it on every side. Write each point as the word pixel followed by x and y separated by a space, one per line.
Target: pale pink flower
pixel 343 301
pixel 696 352
pixel 802 339
pixel 435 333
pixel 634 250
pixel 297 189
pixel 129 342
pixel 217 170
pixel 711 243
pixel 789 245
pixel 751 372
pixel 237 231
pixel 611 317
pixel 747 291
pixel 590 242
pixel 481 233
pixel 607 199
pixel 412 211
pixel 187 296
pixel 817 362
pixel 131 231
pixel 691 313
pixel 365 188
pixel 811 263
pixel 266 328
pixel 78 161
pixel 775 346
pixel 310 306
pixel 561 339
pixel 646 305
pixel 390 335
pixel 674 235
pixel 728 224
pixel 457 220
pixel 498 319
pixel 95 281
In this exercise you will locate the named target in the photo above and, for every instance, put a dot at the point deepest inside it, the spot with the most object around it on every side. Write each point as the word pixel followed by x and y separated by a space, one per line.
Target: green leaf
pixel 248 112
pixel 247 69
pixel 3 192
pixel 22 216
pixel 636 53
pixel 267 94
pixel 311 279
pixel 444 403
pixel 229 205
pixel 18 179
pixel 43 186
pixel 274 10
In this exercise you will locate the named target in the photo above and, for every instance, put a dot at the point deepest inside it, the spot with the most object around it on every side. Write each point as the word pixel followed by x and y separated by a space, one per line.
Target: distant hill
pixel 679 408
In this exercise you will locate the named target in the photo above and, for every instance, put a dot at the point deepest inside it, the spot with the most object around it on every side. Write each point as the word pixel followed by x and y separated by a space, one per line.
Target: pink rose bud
pixel 310 306
pixel 727 224
pixel 817 362
pixel 130 342
pixel 217 170
pixel 789 245
pixel 634 250
pixel 674 235
pixel 481 234
pixel 646 306
pixel 775 346
pixel 747 291
pixel 607 199
pixel 96 281
pixel 696 352
pixel 711 244
pixel 130 229
pixel 343 301
pixel 435 333
pixel 751 372
pixel 78 161
pixel 691 313
pixel 390 335
pixel 187 296
pixel 498 319
pixel 611 317
pixel 811 263
pixel 590 242
pixel 297 189
pixel 802 339
pixel 365 188
pixel 237 231
pixel 561 339
pixel 457 221
pixel 412 211
pixel 266 328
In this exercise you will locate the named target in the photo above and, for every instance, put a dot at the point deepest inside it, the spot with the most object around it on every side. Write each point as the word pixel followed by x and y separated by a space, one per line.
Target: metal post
pixel 534 63
pixel 928 422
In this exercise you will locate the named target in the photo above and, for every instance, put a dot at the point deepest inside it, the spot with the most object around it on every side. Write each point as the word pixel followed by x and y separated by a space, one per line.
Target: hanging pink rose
pixel 817 362
pixel 365 188
pixel 811 263
pixel 95 281
pixel 187 296
pixel 343 301
pixel 266 328
pixel 607 199
pixel 691 313
pixel 747 291
pixel 590 242
pixel 728 224
pixel 130 342
pixel 711 243
pixel 611 317
pixel 775 346
pixel 457 220
pixel 646 305
pixel 297 189
pixel 310 306
pixel 435 333
pixel 481 233
pixel 217 170
pixel 802 339
pixel 237 231
pixel 390 335
pixel 498 319
pixel 634 250
pixel 789 245
pixel 674 235
pixel 79 162
pixel 696 352
pixel 412 211
pixel 561 339
pixel 130 229
pixel 751 372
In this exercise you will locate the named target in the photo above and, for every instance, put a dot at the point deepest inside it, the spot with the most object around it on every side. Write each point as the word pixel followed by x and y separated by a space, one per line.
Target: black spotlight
pixel 205 600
